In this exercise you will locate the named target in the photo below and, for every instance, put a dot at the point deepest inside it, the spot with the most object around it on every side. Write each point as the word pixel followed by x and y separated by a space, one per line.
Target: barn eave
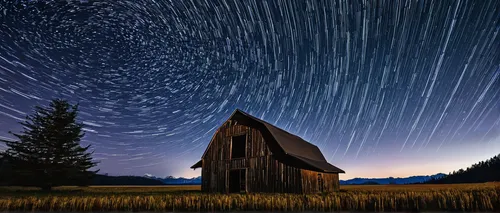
pixel 197 165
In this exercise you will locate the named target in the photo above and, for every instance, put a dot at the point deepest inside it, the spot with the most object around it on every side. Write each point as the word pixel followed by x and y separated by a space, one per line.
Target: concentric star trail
pixel 155 78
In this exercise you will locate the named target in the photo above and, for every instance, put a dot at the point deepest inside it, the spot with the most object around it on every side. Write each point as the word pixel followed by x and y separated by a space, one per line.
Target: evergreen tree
pixel 47 152
pixel 484 171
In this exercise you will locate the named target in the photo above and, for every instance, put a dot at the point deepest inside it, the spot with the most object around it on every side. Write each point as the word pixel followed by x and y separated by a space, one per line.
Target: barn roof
pixel 292 148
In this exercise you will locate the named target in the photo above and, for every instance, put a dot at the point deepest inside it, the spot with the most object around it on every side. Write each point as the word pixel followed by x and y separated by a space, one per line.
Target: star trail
pixel 379 86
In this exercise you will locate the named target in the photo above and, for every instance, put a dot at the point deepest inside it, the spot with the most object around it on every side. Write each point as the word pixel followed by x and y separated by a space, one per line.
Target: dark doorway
pixel 320 183
pixel 239 146
pixel 237 181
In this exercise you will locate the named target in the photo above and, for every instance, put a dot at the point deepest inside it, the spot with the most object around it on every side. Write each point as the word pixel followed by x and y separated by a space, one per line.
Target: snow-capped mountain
pixel 391 180
pixel 171 180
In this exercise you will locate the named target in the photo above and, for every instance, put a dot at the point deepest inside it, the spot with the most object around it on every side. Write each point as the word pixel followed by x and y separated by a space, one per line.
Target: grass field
pixel 456 197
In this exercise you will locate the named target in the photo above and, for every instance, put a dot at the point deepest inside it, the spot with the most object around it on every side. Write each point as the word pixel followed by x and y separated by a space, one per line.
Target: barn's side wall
pixel 310 182
pixel 264 172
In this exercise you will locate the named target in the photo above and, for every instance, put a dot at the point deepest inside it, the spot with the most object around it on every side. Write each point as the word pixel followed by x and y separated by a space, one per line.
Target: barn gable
pixel 286 147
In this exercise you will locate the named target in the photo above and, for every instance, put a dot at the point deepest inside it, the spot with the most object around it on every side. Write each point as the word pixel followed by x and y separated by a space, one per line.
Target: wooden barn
pixel 247 154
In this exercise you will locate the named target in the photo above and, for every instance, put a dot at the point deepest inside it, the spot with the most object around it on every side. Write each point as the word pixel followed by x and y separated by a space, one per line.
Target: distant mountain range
pixel 124 180
pixel 171 180
pixel 149 180
pixel 391 180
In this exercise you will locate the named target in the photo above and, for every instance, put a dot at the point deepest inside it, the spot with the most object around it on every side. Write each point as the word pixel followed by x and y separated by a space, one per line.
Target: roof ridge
pixel 275 126
pixel 272 128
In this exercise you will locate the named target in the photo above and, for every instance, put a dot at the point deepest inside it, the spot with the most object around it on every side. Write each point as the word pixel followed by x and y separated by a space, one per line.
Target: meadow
pixel 456 197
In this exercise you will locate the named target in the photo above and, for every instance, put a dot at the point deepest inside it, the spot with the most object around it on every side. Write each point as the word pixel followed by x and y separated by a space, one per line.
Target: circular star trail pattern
pixel 154 79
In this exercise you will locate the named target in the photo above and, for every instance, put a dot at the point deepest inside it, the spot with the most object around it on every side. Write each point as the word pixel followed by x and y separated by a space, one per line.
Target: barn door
pixel 237 180
pixel 243 180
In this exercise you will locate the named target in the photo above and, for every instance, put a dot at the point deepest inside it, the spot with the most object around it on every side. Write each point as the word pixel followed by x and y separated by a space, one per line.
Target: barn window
pixel 238 146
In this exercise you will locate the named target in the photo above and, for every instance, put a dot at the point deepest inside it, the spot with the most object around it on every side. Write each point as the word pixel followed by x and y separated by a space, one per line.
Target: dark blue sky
pixel 384 88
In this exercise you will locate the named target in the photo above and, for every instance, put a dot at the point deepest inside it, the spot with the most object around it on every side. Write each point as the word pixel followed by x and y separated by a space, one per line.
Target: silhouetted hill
pixel 97 180
pixel 484 171
pixel 390 180
pixel 124 180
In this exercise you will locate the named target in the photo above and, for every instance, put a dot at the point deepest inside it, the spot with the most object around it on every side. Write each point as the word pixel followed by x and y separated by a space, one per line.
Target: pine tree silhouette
pixel 47 152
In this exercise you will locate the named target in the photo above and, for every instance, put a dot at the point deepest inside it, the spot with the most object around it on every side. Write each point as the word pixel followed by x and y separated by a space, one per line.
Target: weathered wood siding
pixel 263 172
pixel 266 174
pixel 311 183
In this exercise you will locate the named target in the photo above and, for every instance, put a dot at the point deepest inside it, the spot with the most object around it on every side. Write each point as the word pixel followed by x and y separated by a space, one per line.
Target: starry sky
pixel 383 88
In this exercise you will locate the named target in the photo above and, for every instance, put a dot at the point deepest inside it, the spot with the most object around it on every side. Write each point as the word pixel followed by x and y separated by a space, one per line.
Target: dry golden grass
pixel 457 197
pixel 422 187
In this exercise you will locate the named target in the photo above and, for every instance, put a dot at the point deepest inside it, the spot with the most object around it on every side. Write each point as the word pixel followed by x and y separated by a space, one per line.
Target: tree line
pixel 484 171
pixel 47 152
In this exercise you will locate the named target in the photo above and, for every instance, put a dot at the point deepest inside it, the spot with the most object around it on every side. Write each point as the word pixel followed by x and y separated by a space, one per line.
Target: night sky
pixel 383 88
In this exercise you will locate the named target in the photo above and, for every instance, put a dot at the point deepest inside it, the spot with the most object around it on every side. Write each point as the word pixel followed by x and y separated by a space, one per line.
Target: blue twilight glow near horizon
pixel 385 88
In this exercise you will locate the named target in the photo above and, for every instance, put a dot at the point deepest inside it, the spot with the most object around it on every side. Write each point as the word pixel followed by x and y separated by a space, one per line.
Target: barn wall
pixel 264 172
pixel 310 182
